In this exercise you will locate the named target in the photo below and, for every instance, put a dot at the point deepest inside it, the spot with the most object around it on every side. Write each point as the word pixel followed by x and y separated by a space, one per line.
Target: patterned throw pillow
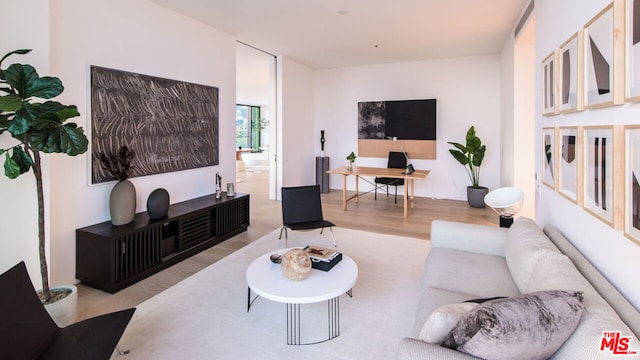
pixel 529 326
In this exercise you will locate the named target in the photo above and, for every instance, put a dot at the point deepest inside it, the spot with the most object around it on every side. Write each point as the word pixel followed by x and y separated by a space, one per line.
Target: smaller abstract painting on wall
pixel 549 85
pixel 568 162
pixel 570 79
pixel 548 160
pixel 633 50
pixel 598 172
pixel 600 62
pixel 632 183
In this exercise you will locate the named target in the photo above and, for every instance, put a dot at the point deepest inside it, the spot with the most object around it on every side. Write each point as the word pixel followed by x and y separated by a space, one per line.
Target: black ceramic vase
pixel 158 204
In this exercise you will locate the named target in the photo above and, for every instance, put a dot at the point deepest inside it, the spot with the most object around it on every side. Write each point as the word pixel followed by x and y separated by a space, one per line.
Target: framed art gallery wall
pixel 594 68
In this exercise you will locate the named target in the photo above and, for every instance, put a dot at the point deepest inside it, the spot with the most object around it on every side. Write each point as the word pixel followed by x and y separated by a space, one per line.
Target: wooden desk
pixel 240 151
pixel 379 172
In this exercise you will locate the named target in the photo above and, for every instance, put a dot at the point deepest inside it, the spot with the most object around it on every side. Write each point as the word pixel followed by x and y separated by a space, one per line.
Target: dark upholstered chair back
pixel 397 160
pixel 301 204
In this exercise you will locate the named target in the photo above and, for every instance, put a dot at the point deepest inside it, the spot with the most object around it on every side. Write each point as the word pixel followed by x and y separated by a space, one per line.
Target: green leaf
pixel 478 155
pixel 21 122
pixel 22 158
pixel 68 138
pixel 4 123
pixel 45 87
pixel 460 156
pixel 10 103
pixel 11 168
pixel 19 52
pixel 460 147
pixel 26 81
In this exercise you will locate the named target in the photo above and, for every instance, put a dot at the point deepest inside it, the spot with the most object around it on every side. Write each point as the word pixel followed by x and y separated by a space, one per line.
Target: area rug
pixel 205 316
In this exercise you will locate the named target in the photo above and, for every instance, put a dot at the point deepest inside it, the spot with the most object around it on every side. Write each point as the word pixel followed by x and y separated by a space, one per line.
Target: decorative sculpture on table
pixel 218 186
pixel 158 204
pixel 322 140
pixel 295 264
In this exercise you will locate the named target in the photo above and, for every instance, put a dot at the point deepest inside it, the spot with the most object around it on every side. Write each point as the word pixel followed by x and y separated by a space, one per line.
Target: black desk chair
pixel 302 210
pixel 28 332
pixel 397 160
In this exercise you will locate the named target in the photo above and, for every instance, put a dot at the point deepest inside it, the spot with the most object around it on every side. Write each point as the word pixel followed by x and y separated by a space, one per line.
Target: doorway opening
pixel 255 121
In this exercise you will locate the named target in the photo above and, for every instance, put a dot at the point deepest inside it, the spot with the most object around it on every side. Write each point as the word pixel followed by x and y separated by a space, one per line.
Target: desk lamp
pixel 506 201
pixel 410 168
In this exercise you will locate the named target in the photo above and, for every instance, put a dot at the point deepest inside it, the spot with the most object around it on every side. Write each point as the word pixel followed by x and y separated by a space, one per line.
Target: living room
pixel 140 36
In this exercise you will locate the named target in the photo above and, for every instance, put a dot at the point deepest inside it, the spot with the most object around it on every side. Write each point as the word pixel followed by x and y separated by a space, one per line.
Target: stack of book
pixel 323 258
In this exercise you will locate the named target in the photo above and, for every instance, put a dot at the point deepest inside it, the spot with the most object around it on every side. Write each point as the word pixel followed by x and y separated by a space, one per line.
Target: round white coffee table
pixel 265 279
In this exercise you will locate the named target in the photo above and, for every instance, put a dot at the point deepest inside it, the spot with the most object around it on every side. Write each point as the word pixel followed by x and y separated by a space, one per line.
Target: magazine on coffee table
pixel 320 253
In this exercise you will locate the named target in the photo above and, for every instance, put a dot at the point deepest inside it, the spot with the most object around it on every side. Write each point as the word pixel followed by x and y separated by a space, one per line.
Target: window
pixel 248 126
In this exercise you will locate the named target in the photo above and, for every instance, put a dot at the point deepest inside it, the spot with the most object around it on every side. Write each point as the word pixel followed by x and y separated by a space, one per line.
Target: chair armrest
pixel 414 349
pixel 481 239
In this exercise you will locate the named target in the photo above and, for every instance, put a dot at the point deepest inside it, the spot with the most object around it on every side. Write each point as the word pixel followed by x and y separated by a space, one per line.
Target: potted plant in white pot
pixel 470 156
pixel 37 127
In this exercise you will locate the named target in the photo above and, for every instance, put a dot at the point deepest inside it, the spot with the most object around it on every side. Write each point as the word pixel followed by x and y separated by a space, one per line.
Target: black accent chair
pixel 397 160
pixel 302 210
pixel 28 332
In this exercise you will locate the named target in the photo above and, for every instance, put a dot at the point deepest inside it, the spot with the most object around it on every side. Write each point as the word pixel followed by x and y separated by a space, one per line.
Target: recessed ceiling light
pixel 343 12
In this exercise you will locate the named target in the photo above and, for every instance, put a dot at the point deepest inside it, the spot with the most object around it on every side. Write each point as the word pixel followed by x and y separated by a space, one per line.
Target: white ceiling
pixel 338 33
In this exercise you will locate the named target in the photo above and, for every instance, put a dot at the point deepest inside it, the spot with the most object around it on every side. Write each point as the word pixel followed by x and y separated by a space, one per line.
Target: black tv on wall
pixel 401 119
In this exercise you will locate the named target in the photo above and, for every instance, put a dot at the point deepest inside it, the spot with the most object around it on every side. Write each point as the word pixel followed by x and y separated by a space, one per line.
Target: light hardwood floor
pixel 382 216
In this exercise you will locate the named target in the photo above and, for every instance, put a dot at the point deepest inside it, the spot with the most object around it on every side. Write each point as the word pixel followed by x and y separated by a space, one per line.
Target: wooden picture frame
pixel 549 158
pixel 632 183
pixel 549 85
pixel 604 57
pixel 632 49
pixel 598 170
pixel 568 160
pixel 570 70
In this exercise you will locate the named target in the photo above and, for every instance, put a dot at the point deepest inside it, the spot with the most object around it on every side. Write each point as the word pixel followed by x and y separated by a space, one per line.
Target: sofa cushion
pixel 525 245
pixel 530 326
pixel 477 274
pixel 442 320
pixel 555 271
pixel 431 299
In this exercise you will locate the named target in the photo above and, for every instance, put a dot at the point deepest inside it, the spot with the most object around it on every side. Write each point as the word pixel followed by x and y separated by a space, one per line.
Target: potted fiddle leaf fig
pixel 470 156
pixel 35 127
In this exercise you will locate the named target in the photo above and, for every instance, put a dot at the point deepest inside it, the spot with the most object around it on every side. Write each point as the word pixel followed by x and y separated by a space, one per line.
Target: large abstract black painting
pixel 171 125
pixel 404 120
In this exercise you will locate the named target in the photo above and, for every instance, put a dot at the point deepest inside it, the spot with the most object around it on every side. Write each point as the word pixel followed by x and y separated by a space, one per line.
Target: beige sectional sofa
pixel 468 261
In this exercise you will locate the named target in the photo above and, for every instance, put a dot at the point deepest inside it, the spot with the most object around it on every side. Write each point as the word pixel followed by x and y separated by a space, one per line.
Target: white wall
pixel 18 203
pixel 518 116
pixel 136 36
pixel 608 249
pixel 467 92
pixel 295 121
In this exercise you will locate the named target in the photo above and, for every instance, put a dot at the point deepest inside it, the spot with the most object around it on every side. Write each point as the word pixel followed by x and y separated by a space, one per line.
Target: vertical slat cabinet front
pixel 232 216
pixel 138 252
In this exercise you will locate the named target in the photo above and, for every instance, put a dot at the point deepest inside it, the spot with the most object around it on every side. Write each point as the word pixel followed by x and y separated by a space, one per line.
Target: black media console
pixel 111 258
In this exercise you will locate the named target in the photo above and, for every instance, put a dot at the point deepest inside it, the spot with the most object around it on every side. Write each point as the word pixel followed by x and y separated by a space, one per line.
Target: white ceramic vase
pixel 122 203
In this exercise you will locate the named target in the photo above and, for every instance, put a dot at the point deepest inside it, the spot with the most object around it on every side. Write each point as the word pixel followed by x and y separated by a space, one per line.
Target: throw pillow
pixel 442 320
pixel 530 326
